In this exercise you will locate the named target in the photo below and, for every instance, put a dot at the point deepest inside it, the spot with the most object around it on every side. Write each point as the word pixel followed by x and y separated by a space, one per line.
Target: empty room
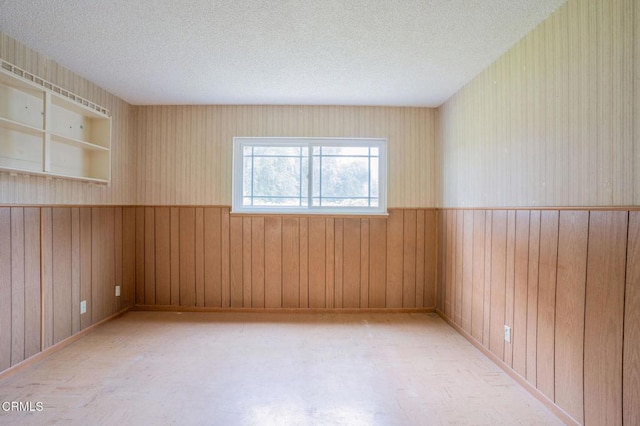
pixel 350 212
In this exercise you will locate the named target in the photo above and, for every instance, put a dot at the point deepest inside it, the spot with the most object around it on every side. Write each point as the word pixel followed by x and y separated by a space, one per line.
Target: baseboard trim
pixel 563 415
pixel 165 308
pixel 41 356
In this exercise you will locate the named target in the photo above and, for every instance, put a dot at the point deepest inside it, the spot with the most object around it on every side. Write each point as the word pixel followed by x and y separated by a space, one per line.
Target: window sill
pixel 332 214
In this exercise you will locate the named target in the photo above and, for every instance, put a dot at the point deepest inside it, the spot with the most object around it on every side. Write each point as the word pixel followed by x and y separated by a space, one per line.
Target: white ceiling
pixel 301 52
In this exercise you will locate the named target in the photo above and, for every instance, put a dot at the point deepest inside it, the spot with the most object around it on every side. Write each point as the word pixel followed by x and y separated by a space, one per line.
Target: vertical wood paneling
pixel 212 257
pixel 570 293
pixel 532 298
pixel 61 257
pixel 17 285
pixel 377 263
pixel 449 263
pixel 317 235
pixel 118 252
pixel 199 270
pixel 246 262
pixel 86 260
pixel 175 255
pixel 273 262
pixel 339 266
pixel 304 263
pixel 521 273
pixel 364 263
pixel 149 256
pixel 395 246
pixel 257 262
pixel 224 268
pixel 467 269
pixel 459 262
pixel 5 288
pixel 409 259
pixel 488 254
pixel 430 255
pixel 604 315
pixel 47 277
pixel 631 365
pixel 102 263
pixel 128 256
pixel 422 259
pixel 442 255
pixel 163 255
pixel 498 281
pixel 140 258
pixel 236 261
pixel 352 259
pixel 187 256
pixel 477 266
pixel 510 284
pixel 32 295
pixel 330 258
pixel 547 301
pixel 291 253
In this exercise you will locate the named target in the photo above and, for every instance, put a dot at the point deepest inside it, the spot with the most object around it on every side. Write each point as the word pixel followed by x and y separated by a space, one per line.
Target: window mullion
pixel 252 170
pixel 310 176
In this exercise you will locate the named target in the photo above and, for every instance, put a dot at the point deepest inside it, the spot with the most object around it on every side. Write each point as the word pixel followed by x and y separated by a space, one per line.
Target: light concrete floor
pixel 163 368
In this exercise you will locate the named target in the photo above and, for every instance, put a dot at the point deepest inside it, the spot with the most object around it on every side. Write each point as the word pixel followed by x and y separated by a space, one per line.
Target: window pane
pixel 277 150
pixel 374 178
pixel 345 177
pixel 276 176
pixel 247 172
pixel 344 202
pixel 345 150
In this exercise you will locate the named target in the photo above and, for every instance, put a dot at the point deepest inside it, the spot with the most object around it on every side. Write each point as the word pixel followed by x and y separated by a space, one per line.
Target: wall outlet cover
pixel 507 334
pixel 83 307
pixel 117 290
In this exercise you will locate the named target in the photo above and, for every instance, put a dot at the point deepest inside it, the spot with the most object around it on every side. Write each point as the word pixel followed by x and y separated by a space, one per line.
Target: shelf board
pixel 19 127
pixel 55 175
pixel 18 171
pixel 77 143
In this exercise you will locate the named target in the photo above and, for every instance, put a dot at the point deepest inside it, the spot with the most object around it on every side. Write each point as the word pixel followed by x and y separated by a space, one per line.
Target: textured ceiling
pixel 314 52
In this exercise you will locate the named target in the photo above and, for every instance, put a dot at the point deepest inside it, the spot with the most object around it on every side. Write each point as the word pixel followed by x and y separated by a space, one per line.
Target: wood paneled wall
pixel 555 121
pixel 205 257
pixel 23 189
pixel 568 284
pixel 184 152
pixel 50 260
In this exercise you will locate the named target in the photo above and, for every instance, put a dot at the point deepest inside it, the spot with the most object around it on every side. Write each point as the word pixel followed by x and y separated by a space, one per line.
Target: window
pixel 308 175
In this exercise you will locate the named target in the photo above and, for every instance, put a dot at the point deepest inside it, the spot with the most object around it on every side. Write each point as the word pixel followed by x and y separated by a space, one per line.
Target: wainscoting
pixel 204 257
pixel 50 260
pixel 568 284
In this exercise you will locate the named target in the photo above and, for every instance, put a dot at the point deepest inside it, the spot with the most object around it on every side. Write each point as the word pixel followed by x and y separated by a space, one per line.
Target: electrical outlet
pixel 83 307
pixel 507 334
pixel 117 290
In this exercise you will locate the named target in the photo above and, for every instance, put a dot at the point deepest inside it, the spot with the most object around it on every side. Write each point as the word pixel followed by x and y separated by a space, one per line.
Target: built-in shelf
pixel 19 127
pixel 46 130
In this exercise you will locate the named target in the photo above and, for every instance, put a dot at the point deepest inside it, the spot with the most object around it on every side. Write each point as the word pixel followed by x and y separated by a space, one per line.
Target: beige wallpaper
pixel 184 152
pixel 556 120
pixel 23 189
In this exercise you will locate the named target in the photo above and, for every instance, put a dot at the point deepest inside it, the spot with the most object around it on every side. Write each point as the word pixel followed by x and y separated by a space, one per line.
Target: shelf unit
pixel 48 131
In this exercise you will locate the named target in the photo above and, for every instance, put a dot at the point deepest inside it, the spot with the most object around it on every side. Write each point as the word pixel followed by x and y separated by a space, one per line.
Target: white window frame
pixel 237 173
